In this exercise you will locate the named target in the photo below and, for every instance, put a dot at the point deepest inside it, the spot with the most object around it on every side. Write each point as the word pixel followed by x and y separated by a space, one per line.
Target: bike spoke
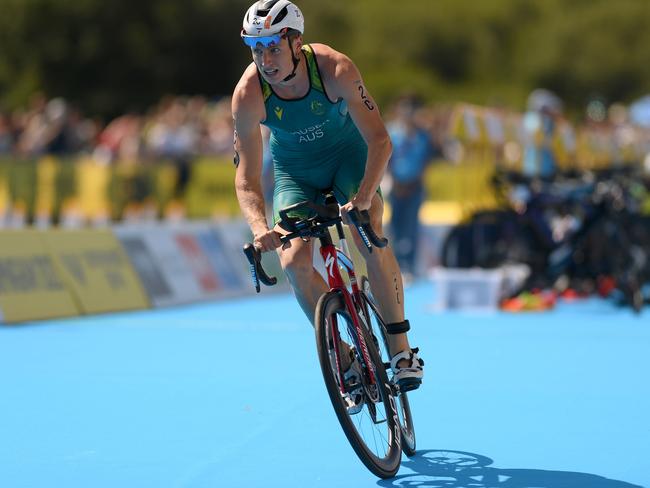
pixel 378 332
pixel 365 410
pixel 372 429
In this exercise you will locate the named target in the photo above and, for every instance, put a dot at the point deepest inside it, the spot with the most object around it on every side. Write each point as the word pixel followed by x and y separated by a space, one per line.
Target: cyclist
pixel 326 132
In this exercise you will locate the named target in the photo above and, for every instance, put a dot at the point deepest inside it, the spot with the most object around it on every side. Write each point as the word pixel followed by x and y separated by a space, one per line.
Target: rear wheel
pixel 373 432
pixel 377 328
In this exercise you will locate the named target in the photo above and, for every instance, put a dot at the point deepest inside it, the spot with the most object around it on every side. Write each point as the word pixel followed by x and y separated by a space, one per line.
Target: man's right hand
pixel 267 240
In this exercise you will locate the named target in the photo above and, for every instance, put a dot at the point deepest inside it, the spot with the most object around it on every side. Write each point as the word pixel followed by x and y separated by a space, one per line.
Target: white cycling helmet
pixel 266 21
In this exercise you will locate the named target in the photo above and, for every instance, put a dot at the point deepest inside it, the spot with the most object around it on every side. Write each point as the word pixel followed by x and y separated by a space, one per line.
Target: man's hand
pixel 359 202
pixel 267 240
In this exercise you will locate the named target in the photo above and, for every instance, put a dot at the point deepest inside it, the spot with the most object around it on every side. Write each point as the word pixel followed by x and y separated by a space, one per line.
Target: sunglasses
pixel 266 41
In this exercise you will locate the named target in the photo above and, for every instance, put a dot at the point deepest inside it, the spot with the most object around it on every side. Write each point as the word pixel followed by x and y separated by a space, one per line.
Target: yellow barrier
pixel 30 286
pixel 92 193
pixel 47 171
pixel 211 190
pixel 96 270
pixel 5 195
pixel 457 190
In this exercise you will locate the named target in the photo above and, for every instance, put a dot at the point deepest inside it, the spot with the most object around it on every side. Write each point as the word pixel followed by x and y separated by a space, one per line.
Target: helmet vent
pixel 281 15
pixel 265 7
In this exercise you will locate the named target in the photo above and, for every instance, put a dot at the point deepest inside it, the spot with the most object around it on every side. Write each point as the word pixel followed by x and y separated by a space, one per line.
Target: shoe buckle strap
pixel 410 355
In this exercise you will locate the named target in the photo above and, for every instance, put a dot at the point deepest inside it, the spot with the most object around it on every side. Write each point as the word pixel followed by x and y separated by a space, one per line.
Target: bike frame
pixel 333 258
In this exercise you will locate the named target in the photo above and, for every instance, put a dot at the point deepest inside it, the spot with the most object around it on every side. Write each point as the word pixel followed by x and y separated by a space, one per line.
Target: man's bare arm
pixel 248 159
pixel 365 114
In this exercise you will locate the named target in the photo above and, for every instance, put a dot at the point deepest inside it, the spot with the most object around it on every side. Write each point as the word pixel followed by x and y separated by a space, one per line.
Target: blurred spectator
pixel 52 127
pixel 539 124
pixel 121 140
pixel 174 135
pixel 45 131
pixel 218 130
pixel 81 132
pixel 412 151
pixel 640 112
pixel 6 134
pixel 623 134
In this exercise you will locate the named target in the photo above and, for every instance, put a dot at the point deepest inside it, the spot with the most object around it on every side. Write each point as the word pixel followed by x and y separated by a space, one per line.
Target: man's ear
pixel 297 45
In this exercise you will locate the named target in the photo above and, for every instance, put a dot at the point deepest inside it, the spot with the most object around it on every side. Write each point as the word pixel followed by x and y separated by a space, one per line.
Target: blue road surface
pixel 230 394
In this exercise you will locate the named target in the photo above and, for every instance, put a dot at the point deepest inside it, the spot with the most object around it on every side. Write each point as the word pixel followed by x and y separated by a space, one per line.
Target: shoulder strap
pixel 266 88
pixel 314 74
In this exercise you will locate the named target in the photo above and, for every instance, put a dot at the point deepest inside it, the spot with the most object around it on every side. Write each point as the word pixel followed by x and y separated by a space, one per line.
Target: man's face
pixel 275 62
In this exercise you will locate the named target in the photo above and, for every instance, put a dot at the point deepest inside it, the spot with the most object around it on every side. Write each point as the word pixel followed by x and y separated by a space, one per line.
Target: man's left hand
pixel 359 202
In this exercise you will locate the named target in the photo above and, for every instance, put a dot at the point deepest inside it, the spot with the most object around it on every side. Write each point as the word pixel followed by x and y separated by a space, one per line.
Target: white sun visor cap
pixel 267 18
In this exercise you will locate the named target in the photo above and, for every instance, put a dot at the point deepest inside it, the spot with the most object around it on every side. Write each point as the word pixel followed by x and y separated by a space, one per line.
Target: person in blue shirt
pixel 412 151
pixel 539 126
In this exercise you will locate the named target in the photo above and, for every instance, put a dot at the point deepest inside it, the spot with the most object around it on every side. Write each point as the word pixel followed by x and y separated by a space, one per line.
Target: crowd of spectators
pixel 177 128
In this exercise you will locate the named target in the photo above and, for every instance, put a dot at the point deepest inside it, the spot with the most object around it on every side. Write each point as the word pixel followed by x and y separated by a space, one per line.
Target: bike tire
pixel 377 328
pixel 384 466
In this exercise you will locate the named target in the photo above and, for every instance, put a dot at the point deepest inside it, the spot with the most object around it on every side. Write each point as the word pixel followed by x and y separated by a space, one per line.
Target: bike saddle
pixel 315 211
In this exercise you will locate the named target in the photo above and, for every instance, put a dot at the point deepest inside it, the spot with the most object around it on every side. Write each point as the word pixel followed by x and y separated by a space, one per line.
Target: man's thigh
pixel 289 191
pixel 349 174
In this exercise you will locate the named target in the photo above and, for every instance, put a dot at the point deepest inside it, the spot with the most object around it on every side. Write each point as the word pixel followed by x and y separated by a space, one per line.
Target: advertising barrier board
pixel 174 264
pixel 31 286
pixel 96 270
pixel 170 278
pixel 232 280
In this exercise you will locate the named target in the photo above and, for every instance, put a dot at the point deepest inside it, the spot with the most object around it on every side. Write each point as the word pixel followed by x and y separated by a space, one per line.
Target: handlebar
pixel 361 221
pixel 258 274
pixel 326 216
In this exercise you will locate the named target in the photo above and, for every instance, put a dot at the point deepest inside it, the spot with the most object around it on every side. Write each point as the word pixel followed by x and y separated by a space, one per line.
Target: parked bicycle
pixel 374 414
pixel 574 231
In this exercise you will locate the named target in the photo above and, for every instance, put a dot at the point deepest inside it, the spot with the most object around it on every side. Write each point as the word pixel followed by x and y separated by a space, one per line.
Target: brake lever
pixel 361 220
pixel 258 274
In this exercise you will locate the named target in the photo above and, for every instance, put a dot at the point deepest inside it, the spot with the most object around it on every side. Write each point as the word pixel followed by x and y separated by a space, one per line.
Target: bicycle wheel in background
pixel 373 432
pixel 378 329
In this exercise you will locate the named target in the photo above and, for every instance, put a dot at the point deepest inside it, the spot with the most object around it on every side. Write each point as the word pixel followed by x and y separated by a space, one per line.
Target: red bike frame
pixel 333 258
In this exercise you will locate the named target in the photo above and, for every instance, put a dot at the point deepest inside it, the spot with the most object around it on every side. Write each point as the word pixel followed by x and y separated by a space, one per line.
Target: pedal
pixel 409 384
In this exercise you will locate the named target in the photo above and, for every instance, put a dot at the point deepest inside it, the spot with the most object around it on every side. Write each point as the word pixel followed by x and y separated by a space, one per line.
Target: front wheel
pixel 374 431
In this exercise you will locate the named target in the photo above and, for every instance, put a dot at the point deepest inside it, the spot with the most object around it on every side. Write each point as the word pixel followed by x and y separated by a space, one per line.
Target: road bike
pixel 348 326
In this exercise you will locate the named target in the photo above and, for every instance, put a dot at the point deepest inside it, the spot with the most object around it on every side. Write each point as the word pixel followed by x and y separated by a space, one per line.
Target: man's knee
pixel 296 263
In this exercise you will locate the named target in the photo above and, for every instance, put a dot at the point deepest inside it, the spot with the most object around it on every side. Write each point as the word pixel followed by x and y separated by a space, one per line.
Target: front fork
pixel 332 257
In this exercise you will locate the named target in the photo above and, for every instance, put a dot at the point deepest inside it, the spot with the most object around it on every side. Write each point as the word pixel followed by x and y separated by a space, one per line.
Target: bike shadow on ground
pixel 458 469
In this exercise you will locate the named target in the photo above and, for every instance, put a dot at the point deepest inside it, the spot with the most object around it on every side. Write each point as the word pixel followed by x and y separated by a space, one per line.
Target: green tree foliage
pixel 111 56
pixel 596 48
